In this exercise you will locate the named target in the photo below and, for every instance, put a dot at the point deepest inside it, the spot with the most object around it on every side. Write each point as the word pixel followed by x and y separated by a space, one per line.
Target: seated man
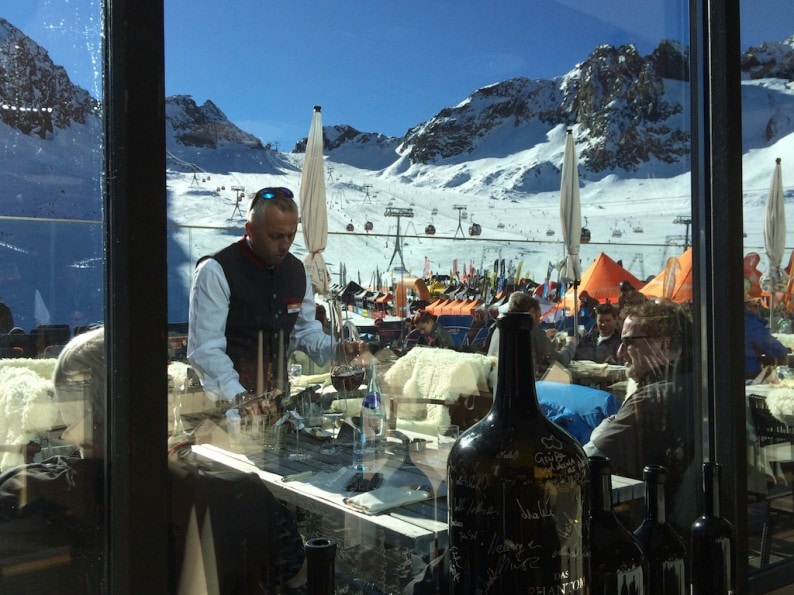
pixel 655 424
pixel 587 304
pixel 601 343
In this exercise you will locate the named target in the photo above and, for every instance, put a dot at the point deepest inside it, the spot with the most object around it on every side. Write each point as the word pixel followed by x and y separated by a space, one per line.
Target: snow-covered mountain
pixel 498 152
pixel 629 113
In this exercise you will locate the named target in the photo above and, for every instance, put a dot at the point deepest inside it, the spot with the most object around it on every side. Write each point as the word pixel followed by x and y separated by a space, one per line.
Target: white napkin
pixel 384 498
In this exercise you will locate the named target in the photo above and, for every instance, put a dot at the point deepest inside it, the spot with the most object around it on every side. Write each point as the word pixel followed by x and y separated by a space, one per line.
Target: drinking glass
pixel 295 372
pixel 298 419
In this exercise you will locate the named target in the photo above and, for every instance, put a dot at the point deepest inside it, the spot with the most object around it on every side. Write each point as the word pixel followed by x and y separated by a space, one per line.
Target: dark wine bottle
pixel 320 566
pixel 664 550
pixel 713 542
pixel 517 489
pixel 617 564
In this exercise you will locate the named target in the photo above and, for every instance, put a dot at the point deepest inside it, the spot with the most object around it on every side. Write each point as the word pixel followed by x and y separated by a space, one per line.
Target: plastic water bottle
pixel 372 414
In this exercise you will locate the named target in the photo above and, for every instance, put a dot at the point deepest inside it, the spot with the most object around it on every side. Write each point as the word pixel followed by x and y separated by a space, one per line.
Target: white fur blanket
pixel 441 374
pixel 780 401
pixel 27 409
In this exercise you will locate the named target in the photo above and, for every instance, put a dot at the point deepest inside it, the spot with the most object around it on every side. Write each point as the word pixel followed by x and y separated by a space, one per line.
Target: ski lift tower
pixel 684 220
pixel 460 209
pixel 195 180
pixel 240 190
pixel 395 212
pixel 367 197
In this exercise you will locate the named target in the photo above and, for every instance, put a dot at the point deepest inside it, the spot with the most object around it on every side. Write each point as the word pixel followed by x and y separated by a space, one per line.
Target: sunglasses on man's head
pixel 268 193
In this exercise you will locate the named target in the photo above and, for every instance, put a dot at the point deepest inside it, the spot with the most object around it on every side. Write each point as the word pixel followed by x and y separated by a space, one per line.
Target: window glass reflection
pixel 442 192
pixel 52 389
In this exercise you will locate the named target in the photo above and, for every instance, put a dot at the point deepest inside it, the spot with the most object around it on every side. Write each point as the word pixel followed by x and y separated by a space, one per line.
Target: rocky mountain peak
pixel 770 60
pixel 36 96
pixel 616 96
pixel 203 126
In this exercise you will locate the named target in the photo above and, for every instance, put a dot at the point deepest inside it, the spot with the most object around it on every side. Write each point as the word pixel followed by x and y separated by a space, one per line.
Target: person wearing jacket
pixel 602 342
pixel 432 333
pixel 758 340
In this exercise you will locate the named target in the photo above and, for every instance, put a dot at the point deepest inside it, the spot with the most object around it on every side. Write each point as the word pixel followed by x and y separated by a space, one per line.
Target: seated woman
pixel 433 334
pixel 65 493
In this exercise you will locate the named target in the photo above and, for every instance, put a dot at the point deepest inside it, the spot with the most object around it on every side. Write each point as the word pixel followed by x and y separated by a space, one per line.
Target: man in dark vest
pixel 254 287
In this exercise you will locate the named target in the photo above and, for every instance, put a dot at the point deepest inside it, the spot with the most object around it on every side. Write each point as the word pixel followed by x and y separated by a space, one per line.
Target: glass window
pixel 767 290
pixel 442 178
pixel 52 372
pixel 444 140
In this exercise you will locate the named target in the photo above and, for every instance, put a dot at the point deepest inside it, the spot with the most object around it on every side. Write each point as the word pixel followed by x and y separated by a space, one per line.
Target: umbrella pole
pixel 772 310
pixel 575 310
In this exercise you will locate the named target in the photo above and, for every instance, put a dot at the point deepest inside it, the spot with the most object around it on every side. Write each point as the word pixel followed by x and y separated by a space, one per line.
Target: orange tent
pixel 681 287
pixel 602 281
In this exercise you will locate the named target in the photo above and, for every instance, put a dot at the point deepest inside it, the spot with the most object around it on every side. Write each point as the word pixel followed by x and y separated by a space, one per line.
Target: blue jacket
pixel 758 341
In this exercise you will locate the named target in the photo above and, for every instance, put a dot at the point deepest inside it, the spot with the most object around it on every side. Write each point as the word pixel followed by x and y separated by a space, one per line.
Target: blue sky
pixel 379 66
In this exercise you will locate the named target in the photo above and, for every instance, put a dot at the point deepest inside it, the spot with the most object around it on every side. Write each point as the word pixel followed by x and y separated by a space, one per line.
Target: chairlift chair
pixel 350 227
pixel 430 230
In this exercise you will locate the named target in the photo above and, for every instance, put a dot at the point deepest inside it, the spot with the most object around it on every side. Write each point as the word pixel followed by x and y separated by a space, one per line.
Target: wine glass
pixel 446 435
pixel 333 409
pixel 294 372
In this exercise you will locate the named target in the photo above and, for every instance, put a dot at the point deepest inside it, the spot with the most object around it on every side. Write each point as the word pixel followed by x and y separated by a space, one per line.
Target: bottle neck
pixel 711 489
pixel 372 399
pixel 373 377
pixel 515 389
pixel 654 499
pixel 600 485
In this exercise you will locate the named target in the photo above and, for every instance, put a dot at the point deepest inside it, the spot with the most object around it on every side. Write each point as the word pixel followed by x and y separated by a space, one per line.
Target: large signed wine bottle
pixel 617 564
pixel 663 548
pixel 517 489
pixel 713 542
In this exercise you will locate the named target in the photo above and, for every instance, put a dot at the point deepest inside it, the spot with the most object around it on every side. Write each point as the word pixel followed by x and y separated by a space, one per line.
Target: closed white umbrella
pixel 571 220
pixel 774 240
pixel 314 211
pixel 671 269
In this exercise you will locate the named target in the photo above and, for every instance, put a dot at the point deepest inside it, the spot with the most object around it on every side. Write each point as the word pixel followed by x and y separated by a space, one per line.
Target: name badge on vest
pixel 293 307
